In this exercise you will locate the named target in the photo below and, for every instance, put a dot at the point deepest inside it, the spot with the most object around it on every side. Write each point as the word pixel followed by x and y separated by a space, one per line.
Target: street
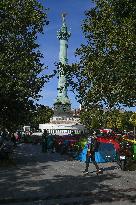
pixel 39 178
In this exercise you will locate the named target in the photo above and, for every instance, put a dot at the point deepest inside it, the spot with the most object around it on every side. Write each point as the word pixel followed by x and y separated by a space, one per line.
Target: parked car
pixel 36 137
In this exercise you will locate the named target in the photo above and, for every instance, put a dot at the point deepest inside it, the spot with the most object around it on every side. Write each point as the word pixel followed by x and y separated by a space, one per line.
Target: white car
pixel 36 137
pixel 37 134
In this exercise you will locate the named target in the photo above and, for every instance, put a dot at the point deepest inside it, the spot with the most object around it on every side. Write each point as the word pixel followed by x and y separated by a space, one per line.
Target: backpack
pixel 95 145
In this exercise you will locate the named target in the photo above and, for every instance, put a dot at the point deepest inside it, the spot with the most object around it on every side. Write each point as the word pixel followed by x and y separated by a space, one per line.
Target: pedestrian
pixel 44 141
pixel 13 138
pixel 5 134
pixel 53 144
pixel 92 147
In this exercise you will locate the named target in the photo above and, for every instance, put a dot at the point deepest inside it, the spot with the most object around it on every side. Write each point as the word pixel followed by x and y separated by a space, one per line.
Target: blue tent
pixel 106 153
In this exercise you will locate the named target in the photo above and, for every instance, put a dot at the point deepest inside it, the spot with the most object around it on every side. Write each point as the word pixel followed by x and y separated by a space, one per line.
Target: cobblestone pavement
pixel 52 179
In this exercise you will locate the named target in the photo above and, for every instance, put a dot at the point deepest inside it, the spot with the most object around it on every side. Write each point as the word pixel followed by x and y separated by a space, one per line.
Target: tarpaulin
pixel 106 153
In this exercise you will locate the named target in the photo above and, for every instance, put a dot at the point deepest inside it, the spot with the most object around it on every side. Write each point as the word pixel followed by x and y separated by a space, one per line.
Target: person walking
pixel 92 147
pixel 44 141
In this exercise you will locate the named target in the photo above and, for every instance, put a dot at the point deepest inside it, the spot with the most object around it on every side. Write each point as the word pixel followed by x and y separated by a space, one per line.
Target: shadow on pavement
pixel 88 188
pixel 33 179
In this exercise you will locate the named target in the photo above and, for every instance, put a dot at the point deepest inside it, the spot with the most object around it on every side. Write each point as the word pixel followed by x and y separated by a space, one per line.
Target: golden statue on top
pixel 63 16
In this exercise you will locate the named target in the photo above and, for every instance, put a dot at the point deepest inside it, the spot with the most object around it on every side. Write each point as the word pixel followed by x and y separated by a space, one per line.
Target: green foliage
pixel 95 118
pixel 116 119
pixel 20 68
pixel 106 72
pixel 41 115
pixel 133 119
pixel 92 118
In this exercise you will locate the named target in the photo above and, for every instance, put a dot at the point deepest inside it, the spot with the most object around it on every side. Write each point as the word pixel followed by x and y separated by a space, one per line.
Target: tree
pixel 20 69
pixel 133 121
pixel 41 115
pixel 106 72
pixel 95 118
pixel 92 118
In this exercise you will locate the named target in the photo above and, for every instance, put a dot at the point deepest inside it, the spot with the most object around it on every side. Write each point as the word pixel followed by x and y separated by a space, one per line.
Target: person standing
pixel 13 138
pixel 5 134
pixel 44 141
pixel 92 147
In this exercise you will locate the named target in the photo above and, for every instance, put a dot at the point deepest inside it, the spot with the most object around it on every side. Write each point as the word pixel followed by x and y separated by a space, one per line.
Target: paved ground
pixel 51 179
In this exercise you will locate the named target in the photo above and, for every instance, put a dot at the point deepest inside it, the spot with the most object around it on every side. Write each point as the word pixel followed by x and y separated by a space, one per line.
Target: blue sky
pixel 49 44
